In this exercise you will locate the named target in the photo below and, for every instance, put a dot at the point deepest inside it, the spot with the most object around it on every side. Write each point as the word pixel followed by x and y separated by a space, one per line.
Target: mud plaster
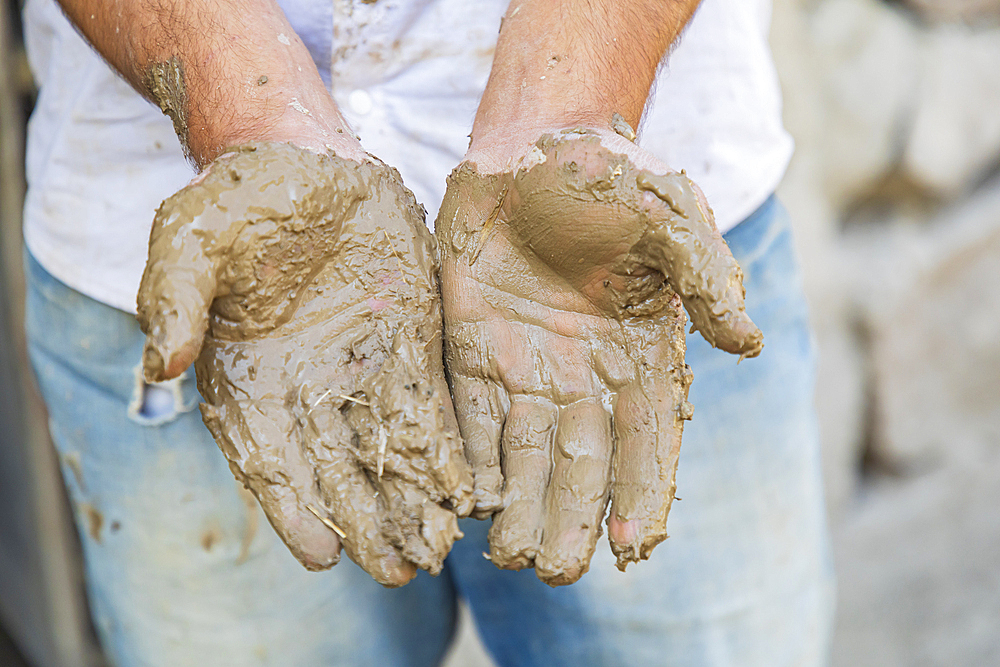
pixel 95 521
pixel 669 253
pixel 320 360
pixel 622 127
pixel 165 83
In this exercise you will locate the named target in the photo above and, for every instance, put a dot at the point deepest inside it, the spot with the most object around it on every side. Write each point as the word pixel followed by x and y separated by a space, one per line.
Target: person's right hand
pixel 306 287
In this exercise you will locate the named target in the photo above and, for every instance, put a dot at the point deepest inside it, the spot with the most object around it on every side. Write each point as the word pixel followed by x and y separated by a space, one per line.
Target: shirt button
pixel 360 102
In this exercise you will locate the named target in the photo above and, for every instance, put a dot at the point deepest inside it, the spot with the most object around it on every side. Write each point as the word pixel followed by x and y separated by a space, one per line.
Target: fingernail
pixel 622 532
pixel 397 571
pixel 314 564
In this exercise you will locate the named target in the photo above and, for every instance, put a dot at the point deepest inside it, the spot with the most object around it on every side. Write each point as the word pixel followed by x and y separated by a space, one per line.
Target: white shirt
pixel 408 75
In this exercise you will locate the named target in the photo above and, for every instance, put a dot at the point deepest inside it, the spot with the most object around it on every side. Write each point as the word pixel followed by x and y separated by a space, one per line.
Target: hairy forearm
pixel 225 71
pixel 561 63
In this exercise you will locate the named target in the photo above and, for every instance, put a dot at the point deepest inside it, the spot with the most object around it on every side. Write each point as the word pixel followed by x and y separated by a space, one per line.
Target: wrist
pixel 304 116
pixel 528 95
pixel 503 147
pixel 561 64
pixel 317 134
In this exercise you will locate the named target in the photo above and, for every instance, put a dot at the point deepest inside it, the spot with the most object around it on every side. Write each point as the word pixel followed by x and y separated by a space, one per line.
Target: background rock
pixel 955 136
pixel 895 193
pixel 935 352
pixel 868 62
pixel 956 10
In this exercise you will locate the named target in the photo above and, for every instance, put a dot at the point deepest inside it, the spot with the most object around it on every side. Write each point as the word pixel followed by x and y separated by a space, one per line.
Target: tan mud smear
pixel 677 241
pixel 697 267
pixel 321 357
pixel 622 127
pixel 165 83
pixel 564 282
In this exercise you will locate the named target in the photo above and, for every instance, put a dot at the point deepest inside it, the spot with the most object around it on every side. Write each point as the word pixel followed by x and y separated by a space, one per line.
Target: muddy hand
pixel 304 288
pixel 564 271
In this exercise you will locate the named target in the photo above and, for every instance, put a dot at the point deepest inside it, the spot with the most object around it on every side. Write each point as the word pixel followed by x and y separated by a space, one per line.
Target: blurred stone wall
pixel 895 190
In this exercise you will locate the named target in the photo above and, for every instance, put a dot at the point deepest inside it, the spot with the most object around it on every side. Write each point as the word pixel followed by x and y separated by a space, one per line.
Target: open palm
pixel 563 281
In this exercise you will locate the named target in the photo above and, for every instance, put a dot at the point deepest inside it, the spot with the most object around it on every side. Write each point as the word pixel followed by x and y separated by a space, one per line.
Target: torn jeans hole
pixel 155 403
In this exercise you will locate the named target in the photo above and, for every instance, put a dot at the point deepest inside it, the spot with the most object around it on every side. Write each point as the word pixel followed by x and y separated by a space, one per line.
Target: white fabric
pixel 408 75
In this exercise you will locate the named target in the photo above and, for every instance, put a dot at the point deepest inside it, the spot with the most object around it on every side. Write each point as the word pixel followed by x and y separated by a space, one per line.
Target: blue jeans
pixel 183 569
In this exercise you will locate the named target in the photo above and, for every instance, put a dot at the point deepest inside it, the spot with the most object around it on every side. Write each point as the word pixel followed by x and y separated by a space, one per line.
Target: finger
pixel 407 516
pixel 177 289
pixel 683 243
pixel 265 454
pixel 463 500
pixel 355 508
pixel 181 276
pixel 432 342
pixel 480 417
pixel 402 428
pixel 417 526
pixel 648 420
pixel 577 494
pixel 198 231
pixel 516 534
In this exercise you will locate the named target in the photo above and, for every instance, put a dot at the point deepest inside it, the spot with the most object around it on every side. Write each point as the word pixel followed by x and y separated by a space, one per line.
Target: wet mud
pixel 564 285
pixel 306 286
pixel 165 84
pixel 622 127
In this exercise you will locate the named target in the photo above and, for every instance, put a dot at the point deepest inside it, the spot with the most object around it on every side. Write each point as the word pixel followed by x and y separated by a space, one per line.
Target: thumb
pixel 683 242
pixel 178 287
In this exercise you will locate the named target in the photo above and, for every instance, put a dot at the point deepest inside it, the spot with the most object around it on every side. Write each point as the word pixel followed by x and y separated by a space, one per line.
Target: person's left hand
pixel 564 268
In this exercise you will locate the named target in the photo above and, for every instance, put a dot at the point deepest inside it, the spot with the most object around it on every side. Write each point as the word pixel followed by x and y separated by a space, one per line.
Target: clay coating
pixel 165 83
pixel 622 127
pixel 563 286
pixel 306 285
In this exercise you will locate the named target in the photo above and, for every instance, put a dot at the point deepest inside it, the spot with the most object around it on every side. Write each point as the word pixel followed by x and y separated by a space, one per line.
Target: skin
pixel 246 75
pixel 297 273
pixel 567 253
